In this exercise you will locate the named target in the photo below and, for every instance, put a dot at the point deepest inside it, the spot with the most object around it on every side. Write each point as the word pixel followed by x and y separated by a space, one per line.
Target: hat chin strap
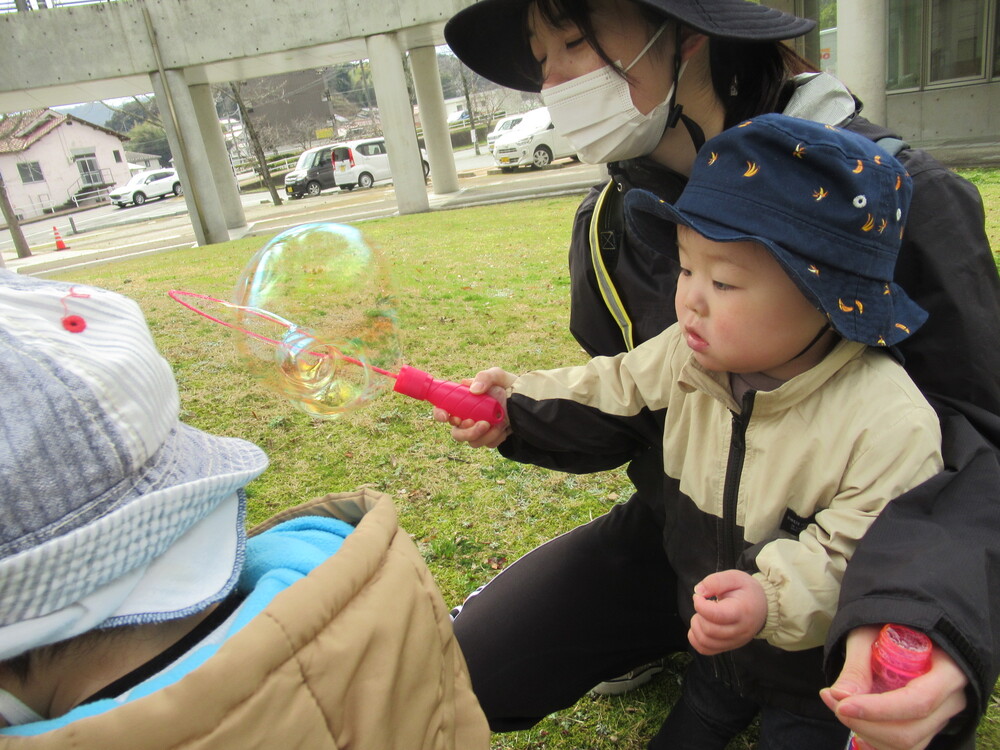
pixel 694 129
pixel 811 344
pixel 677 110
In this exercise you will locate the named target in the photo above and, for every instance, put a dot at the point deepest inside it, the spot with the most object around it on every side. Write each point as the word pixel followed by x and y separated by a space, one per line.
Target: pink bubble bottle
pixel 898 655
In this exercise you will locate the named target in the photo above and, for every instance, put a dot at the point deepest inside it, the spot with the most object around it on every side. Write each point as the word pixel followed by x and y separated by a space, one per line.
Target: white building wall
pixel 61 176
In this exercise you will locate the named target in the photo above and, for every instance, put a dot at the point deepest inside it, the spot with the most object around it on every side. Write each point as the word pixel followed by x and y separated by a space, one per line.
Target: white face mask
pixel 595 113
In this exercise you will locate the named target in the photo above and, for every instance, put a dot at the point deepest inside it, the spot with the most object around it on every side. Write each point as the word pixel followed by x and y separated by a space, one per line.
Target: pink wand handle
pixel 454 398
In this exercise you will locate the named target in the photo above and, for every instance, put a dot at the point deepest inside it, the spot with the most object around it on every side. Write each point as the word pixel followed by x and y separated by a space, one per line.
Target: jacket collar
pixel 694 377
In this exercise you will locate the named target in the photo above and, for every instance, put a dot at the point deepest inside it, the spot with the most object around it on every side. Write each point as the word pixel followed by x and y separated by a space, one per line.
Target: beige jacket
pixel 792 478
pixel 359 654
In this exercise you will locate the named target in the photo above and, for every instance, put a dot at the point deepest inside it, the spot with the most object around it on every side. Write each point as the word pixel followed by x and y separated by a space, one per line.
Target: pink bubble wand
pixel 454 398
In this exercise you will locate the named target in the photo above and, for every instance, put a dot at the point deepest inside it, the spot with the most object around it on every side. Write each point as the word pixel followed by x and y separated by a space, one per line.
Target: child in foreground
pixel 135 612
pixel 776 400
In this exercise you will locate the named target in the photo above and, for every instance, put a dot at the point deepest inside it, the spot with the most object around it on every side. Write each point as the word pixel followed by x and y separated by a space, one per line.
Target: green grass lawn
pixel 475 287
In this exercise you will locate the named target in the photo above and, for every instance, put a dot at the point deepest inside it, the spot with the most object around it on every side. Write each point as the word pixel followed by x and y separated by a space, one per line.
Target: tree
pixel 466 74
pixel 450 68
pixel 149 138
pixel 490 104
pixel 828 14
pixel 263 169
pixel 303 132
pixel 127 115
pixel 20 244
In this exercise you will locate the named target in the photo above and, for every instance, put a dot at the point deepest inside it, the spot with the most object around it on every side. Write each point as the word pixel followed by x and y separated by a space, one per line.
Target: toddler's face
pixel 740 312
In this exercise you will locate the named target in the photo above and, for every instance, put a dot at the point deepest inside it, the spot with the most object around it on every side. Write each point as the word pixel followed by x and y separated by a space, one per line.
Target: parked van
pixel 533 142
pixel 365 162
pixel 313 173
pixel 503 126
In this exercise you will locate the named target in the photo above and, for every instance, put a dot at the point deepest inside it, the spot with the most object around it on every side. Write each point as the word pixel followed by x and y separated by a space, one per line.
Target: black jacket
pixel 932 559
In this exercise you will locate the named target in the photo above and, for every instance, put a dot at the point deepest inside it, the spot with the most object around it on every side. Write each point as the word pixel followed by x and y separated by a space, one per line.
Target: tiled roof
pixel 21 130
pixel 137 155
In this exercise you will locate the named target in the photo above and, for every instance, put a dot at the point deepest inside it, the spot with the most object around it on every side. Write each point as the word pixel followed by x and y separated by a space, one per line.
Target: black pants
pixel 585 607
pixel 709 714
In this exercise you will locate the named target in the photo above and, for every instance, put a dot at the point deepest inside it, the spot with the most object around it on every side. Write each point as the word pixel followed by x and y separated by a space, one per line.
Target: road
pixel 107 231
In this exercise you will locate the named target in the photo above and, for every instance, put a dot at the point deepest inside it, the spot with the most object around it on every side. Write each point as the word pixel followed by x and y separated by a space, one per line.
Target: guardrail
pixel 98 195
pixel 41 206
pixel 244 166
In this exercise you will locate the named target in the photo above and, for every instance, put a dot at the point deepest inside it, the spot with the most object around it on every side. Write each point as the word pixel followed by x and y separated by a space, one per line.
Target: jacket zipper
pixel 734 475
pixel 726 667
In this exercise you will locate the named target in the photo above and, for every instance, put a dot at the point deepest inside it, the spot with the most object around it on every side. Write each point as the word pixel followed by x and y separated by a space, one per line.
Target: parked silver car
pixel 365 162
pixel 154 183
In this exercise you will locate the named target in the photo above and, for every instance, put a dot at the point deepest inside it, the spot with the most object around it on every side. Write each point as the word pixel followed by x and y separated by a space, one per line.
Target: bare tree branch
pixel 263 169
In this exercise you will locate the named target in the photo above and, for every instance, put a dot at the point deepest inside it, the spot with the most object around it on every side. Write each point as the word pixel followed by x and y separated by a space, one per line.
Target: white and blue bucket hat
pixel 112 512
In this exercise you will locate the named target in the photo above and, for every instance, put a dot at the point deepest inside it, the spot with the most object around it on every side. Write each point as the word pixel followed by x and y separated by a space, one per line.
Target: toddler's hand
pixel 482 434
pixel 730 609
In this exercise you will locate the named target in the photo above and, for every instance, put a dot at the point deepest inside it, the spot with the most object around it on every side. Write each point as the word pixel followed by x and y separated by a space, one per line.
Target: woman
pixel 641 85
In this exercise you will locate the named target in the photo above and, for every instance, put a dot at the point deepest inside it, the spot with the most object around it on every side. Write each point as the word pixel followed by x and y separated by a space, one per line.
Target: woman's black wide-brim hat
pixel 489 36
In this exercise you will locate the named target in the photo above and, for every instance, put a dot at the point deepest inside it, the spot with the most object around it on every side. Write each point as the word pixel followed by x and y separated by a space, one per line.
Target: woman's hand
pixel 494 382
pixel 730 609
pixel 903 719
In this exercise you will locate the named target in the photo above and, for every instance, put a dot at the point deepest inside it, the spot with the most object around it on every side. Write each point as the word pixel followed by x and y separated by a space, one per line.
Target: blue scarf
pixel 275 559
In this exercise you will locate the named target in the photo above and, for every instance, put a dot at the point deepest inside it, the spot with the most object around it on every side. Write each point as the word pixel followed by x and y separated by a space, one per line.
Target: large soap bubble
pixel 316 304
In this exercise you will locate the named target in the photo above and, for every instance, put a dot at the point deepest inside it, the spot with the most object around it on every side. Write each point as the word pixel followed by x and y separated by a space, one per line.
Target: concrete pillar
pixel 861 52
pixel 190 156
pixel 179 162
pixel 218 157
pixel 397 123
pixel 434 119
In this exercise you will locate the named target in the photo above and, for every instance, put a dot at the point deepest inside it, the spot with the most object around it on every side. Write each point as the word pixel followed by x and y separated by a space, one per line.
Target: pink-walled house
pixel 48 158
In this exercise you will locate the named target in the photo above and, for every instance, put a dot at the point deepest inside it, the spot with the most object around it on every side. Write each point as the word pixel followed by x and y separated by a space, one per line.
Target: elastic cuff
pixel 771 621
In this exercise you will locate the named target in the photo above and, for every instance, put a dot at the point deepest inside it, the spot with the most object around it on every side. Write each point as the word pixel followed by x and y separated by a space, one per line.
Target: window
pixel 957 39
pixel 905 33
pixel 118 156
pixel 30 171
pixel 371 149
pixel 90 173
pixel 996 46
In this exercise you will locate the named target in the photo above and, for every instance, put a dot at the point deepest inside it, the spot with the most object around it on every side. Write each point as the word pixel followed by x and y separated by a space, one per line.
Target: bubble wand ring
pixel 454 398
pixel 176 295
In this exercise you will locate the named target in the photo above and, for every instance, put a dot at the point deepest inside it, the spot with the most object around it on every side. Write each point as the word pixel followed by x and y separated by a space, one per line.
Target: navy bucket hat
pixel 489 36
pixel 828 204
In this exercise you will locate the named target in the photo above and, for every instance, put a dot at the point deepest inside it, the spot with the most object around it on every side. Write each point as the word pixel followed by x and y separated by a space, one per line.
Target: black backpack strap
pixel 606 236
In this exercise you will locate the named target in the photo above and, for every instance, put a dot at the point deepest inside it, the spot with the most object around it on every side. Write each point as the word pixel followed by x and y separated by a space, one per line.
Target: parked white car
pixel 155 183
pixel 533 142
pixel 363 163
pixel 503 126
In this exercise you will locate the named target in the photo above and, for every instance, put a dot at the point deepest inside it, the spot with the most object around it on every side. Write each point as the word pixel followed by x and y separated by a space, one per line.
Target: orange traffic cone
pixel 60 245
